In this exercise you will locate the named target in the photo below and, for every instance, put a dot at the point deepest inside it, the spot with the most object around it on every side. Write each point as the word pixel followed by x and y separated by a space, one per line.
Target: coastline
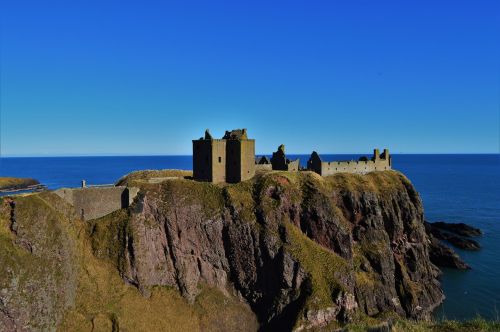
pixel 12 185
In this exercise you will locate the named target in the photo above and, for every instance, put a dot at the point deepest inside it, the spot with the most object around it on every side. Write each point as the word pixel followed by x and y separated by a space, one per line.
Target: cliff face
pixel 38 279
pixel 299 250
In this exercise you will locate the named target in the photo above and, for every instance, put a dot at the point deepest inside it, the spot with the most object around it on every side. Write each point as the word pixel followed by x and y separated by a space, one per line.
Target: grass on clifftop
pixel 16 183
pixel 378 182
pixel 152 176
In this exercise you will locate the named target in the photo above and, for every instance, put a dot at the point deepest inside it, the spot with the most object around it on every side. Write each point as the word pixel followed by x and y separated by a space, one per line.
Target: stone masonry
pixel 364 165
pixel 281 163
pixel 95 202
pixel 230 159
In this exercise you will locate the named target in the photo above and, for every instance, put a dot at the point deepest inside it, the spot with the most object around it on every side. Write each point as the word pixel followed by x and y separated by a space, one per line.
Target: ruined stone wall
pixel 314 163
pixel 263 167
pixel 95 202
pixel 333 167
pixel 218 160
pixel 293 166
pixel 240 160
pixel 233 166
pixel 202 155
pixel 247 159
pixel 221 160
pixel 364 165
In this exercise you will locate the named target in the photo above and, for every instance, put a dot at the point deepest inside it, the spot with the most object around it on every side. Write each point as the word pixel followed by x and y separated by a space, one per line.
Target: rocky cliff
pixel 285 250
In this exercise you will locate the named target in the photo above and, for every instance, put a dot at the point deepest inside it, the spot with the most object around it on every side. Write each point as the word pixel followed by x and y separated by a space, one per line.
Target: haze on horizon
pixel 94 78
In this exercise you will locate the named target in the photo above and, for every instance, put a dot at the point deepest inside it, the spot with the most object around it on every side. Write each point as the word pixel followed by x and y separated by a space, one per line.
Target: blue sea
pixel 454 188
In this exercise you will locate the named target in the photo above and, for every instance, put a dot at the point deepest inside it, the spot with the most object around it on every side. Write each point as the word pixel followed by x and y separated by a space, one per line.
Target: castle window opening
pixel 220 160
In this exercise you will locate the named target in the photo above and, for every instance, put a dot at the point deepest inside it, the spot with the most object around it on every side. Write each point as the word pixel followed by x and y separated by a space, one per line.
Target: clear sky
pixel 147 77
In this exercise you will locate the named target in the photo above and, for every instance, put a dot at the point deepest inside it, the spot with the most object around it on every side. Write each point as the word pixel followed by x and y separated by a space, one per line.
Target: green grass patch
pixel 108 237
pixel 377 182
pixel 324 267
pixel 239 198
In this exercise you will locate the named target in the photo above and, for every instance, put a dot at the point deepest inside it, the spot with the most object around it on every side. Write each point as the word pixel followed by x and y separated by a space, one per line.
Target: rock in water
pixel 444 256
pixel 458 241
pixel 458 228
pixel 463 243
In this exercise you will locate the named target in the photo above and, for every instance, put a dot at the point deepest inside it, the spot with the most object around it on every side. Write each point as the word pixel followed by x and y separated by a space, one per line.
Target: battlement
pixel 364 165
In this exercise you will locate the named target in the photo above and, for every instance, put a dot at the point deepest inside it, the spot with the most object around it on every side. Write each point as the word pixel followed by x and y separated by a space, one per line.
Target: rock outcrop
pixel 37 274
pixel 301 250
pixel 459 241
pixel 458 228
pixel 443 256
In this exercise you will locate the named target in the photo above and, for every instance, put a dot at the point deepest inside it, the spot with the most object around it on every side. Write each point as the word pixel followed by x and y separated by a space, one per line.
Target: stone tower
pixel 230 159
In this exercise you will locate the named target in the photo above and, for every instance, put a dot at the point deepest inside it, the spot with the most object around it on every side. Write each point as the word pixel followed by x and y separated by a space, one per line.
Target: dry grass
pixel 377 182
pixel 140 177
pixel 16 183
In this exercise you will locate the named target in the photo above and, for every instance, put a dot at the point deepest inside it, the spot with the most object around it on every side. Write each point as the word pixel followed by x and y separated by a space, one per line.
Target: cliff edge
pixel 11 184
pixel 285 250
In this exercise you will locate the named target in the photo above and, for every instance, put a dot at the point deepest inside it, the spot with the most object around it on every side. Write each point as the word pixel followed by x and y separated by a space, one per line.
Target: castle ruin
pixel 363 165
pixel 230 159
pixel 281 163
pixel 278 162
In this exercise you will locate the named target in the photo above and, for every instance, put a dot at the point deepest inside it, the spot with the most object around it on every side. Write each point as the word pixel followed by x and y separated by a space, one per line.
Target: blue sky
pixel 146 77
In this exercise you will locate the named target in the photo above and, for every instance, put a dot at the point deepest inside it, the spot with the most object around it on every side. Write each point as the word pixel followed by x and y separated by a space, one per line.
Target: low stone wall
pixel 293 166
pixel 95 202
pixel 379 162
pixel 360 167
pixel 263 167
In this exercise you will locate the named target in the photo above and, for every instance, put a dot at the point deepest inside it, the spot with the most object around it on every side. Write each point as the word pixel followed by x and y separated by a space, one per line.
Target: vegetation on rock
pixel 279 252
pixel 10 183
